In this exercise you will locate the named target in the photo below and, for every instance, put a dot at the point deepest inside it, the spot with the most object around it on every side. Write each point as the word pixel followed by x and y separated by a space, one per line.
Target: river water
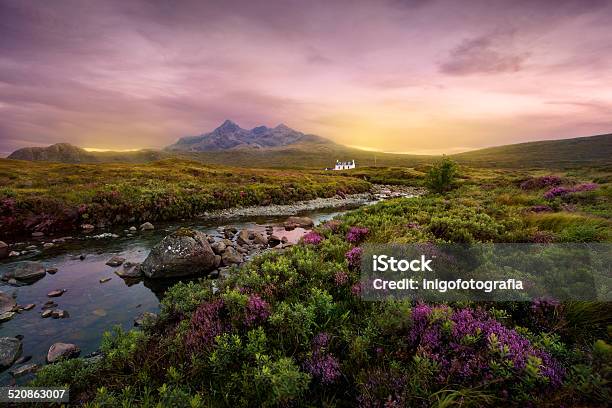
pixel 95 307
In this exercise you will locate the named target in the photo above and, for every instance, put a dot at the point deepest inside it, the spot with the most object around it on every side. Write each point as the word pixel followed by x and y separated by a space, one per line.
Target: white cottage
pixel 344 165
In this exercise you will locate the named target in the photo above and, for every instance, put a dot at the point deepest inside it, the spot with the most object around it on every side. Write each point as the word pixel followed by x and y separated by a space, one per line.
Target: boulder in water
pixel 4 250
pixel 298 222
pixel 27 271
pixel 62 351
pixel 185 252
pixel 10 349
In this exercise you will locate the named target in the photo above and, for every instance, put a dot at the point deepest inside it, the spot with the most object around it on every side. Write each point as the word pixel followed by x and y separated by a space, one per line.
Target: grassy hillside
pixel 38 196
pixel 575 152
pixel 559 154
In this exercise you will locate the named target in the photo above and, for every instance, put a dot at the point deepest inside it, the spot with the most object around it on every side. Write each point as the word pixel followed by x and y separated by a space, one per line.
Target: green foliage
pixel 441 176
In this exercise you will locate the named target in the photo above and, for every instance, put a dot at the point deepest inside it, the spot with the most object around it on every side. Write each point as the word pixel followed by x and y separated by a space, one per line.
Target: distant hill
pixel 593 150
pixel 281 147
pixel 67 153
pixel 230 136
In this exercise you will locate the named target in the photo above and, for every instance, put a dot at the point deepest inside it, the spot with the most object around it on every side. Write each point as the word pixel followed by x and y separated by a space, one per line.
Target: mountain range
pixel 231 136
pixel 281 146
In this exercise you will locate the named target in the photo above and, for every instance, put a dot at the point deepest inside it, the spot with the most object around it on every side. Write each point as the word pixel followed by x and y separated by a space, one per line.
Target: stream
pixel 96 307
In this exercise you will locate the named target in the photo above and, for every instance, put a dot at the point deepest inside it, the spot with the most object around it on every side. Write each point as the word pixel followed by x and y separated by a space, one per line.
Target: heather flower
pixel 465 343
pixel 356 234
pixel 382 389
pixel 556 192
pixel 312 238
pixel 257 310
pixel 205 325
pixel 356 289
pixel 353 256
pixel 341 278
pixel 322 365
pixel 332 225
pixel 585 187
pixel 540 208
pixel 541 182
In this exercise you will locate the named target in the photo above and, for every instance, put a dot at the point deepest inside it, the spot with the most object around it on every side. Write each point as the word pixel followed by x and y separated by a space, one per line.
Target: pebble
pixel 52 271
pixel 46 313
pixel 104 280
pixel 29 306
pixel 56 293
pixel 26 369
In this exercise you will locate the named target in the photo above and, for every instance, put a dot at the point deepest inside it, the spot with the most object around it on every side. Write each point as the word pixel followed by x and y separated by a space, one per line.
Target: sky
pixel 411 76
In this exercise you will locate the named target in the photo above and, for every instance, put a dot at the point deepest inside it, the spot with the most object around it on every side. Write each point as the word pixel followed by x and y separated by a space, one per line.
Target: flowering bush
pixel 535 183
pixel 312 238
pixel 257 311
pixel 206 324
pixel 322 365
pixel 353 256
pixel 471 348
pixel 356 234
pixel 561 191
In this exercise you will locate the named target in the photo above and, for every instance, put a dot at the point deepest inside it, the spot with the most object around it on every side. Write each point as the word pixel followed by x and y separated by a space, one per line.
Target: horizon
pixel 391 77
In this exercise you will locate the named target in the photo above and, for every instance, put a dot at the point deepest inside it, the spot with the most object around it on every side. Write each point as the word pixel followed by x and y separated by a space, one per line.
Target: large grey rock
pixel 62 351
pixel 298 222
pixel 4 250
pixel 129 271
pixel 7 303
pixel 10 349
pixel 185 252
pixel 27 271
pixel 231 256
pixel 24 370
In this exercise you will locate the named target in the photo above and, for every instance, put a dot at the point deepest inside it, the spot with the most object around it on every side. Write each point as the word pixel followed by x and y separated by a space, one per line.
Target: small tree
pixel 442 175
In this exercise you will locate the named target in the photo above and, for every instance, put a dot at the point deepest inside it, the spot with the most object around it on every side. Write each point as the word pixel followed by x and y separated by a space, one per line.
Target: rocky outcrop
pixel 185 252
pixel 10 349
pixel 60 351
pixel 27 271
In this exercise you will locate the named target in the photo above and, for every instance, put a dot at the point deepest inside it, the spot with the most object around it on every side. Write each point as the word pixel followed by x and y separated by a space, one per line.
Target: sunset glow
pixel 400 76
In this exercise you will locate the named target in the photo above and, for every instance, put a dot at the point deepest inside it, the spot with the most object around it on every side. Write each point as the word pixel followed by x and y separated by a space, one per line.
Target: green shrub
pixel 441 176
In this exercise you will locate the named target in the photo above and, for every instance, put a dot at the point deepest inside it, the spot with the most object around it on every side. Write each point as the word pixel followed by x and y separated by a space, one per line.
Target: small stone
pixel 59 314
pixel 29 306
pixel 56 293
pixel 13 254
pixel 52 271
pixel 214 274
pixel 38 234
pixel 115 261
pixel 62 351
pixel 210 239
pixel 133 229
pixel 82 257
pixel 12 281
pixel 87 227
pixel 46 313
pixel 24 370
pixel 147 226
pixel 104 280
pixel 4 317
pixel 23 359
pixel 31 247
pixel 48 245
